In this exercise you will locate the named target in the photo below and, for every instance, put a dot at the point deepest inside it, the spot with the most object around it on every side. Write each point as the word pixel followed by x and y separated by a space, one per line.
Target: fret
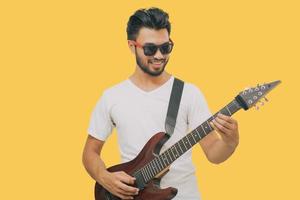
pixel 154 167
pixel 192 136
pixel 203 129
pixel 168 154
pixel 199 135
pixel 224 111
pixel 212 117
pixel 176 154
pixel 207 127
pixel 196 134
pixel 182 142
pixel 148 167
pixel 151 169
pixel 157 164
pixel 173 158
pixel 187 142
pixel 165 158
pixel 183 145
pixel 215 115
pixel 173 152
pixel 228 110
pixel 163 162
pixel 141 175
pixel 144 174
pixel 147 172
pixel 234 102
pixel 180 147
pixel 190 139
pixel 234 106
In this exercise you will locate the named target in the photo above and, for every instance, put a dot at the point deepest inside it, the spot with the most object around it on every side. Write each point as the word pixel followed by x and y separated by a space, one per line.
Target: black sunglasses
pixel 151 49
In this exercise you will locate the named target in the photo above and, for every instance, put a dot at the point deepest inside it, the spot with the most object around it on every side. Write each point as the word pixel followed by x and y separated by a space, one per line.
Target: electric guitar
pixel 151 165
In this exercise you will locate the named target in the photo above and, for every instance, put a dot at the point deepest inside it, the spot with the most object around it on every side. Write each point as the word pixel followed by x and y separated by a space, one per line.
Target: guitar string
pixel 152 162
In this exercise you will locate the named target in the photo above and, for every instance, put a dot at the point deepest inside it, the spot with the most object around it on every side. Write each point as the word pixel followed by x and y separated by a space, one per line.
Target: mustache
pixel 157 60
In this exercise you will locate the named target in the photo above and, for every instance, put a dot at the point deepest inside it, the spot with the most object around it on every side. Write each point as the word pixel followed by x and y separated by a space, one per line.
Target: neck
pixel 147 81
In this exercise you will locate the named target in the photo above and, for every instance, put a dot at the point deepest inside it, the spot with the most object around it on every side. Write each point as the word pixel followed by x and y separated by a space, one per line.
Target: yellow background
pixel 57 57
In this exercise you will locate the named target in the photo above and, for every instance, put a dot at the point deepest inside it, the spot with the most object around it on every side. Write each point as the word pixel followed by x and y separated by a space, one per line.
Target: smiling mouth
pixel 157 63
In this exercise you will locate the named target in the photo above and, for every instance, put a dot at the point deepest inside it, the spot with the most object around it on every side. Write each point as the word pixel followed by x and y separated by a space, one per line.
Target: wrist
pixel 231 144
pixel 102 175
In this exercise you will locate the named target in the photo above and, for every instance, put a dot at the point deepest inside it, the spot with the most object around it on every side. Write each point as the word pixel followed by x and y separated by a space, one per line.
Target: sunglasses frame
pixel 157 46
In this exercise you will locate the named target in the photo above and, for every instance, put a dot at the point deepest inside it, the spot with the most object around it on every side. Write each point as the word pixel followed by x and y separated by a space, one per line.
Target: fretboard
pixel 159 163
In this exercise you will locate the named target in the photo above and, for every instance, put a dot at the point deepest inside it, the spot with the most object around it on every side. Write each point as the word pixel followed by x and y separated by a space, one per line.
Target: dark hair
pixel 153 18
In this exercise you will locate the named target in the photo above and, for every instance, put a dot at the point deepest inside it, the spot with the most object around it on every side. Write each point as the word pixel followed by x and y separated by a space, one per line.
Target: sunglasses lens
pixel 166 48
pixel 150 50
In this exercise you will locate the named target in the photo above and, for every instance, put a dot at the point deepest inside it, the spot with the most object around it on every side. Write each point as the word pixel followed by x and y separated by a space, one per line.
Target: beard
pixel 146 69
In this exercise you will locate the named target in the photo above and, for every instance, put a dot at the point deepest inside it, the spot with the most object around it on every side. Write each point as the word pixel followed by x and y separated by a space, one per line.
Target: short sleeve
pixel 198 109
pixel 100 126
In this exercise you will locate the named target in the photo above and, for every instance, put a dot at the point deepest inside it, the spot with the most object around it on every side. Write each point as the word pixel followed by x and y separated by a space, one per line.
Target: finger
pixel 220 127
pixel 214 127
pixel 124 177
pixel 224 123
pixel 128 189
pixel 226 118
pixel 128 193
pixel 122 196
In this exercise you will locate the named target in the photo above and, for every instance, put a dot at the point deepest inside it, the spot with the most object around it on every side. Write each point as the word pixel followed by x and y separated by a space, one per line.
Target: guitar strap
pixel 173 107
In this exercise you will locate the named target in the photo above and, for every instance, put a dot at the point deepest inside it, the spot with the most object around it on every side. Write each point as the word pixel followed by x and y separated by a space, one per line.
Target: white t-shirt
pixel 138 115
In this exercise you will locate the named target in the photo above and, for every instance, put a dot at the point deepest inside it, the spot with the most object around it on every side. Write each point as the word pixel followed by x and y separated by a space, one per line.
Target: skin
pixel 217 146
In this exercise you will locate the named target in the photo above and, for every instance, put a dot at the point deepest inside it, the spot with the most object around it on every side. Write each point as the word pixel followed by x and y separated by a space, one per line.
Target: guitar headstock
pixel 251 96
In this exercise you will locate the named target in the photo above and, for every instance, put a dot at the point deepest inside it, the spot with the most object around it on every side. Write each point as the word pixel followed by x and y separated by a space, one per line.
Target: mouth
pixel 157 63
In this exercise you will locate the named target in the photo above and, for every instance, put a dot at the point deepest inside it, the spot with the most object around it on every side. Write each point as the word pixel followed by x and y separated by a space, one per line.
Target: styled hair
pixel 153 18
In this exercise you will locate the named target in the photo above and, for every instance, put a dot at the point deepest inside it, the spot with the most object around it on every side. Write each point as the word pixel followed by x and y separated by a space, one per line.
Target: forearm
pixel 94 165
pixel 220 151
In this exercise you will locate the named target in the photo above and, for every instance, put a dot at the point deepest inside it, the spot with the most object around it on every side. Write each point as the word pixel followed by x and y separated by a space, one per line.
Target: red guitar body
pixel 152 189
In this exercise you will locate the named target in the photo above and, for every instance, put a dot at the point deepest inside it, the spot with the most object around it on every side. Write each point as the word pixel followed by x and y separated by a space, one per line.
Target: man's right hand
pixel 118 183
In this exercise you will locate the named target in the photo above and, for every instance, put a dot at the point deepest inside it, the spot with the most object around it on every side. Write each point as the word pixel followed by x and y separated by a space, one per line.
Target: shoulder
pixel 110 95
pixel 116 90
pixel 191 90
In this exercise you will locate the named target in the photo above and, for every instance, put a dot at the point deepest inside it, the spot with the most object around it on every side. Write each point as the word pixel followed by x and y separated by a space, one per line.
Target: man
pixel 137 107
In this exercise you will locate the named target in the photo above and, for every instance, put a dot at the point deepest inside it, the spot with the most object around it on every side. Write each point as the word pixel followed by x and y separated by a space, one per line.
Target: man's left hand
pixel 227 128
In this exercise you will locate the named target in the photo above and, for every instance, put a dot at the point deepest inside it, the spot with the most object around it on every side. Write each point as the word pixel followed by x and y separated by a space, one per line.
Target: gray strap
pixel 173 107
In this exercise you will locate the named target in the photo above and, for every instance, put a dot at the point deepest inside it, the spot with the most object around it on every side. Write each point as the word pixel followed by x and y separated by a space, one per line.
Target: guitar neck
pixel 166 158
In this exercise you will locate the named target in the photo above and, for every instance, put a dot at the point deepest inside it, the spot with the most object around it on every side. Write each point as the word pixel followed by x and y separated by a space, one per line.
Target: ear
pixel 131 46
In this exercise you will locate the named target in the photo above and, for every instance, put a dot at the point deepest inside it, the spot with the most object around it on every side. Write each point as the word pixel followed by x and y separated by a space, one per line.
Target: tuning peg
pixel 245 91
pixel 257 87
pixel 266 99
pixel 261 103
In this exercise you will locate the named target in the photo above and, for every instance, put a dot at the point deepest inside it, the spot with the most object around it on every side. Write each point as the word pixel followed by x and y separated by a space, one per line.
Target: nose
pixel 158 55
